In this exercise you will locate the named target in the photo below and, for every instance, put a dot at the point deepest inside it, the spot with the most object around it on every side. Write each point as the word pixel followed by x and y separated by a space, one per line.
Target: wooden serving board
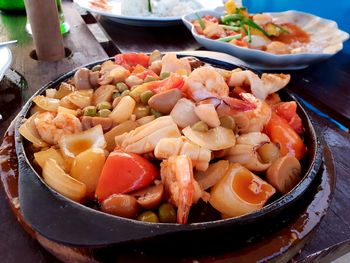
pixel 277 246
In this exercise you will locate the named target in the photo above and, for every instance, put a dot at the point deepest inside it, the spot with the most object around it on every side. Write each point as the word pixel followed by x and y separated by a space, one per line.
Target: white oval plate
pixel 324 32
pixel 5 61
pixel 147 21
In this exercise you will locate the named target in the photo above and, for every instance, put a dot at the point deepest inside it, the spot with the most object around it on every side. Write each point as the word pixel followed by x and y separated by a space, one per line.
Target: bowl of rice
pixel 147 12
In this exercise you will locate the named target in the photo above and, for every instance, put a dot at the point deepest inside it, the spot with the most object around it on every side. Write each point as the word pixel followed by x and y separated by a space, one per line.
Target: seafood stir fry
pixel 148 137
pixel 259 31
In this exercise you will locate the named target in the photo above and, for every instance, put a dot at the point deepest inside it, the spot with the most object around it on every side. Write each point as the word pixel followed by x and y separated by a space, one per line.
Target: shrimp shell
pixel 52 127
pixel 206 82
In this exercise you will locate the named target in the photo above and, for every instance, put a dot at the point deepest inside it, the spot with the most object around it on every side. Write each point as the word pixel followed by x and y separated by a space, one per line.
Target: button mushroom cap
pixel 121 205
pixel 89 122
pixel 284 173
pixel 82 79
pixel 149 197
pixel 165 101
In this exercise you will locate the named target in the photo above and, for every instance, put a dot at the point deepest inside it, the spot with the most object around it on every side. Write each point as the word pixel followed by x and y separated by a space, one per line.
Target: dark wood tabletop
pixel 324 86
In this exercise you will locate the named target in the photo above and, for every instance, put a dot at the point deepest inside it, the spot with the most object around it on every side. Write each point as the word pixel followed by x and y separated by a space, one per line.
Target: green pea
pixel 227 122
pixel 167 213
pixel 121 87
pixel 164 75
pixel 148 216
pixel 200 126
pixel 141 111
pixel 115 95
pixel 149 79
pixel 125 93
pixel 96 68
pixel 104 113
pixel 104 105
pixel 90 111
pixel 156 113
pixel 145 96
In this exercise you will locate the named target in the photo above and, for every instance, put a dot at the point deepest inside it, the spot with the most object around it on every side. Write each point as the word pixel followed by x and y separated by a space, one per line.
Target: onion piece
pixel 183 113
pixel 212 175
pixel 61 182
pixel 208 114
pixel 45 103
pixel 215 139
pixel 240 192
pixel 28 130
pixel 51 153
pixel 123 110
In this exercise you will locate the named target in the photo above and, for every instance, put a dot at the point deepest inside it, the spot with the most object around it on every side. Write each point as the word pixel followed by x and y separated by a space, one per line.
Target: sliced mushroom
pixel 284 173
pixel 194 62
pixel 150 197
pixel 89 122
pixel 93 78
pixel 165 101
pixel 121 205
pixel 82 79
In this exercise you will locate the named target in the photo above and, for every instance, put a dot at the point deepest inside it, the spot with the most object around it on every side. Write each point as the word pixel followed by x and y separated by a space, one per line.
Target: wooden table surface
pixel 325 86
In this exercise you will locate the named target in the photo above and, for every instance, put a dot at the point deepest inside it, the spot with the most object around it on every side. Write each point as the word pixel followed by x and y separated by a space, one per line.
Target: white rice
pixel 160 8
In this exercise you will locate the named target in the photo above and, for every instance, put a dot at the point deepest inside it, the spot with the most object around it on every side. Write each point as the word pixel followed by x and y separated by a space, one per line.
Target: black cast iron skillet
pixel 62 220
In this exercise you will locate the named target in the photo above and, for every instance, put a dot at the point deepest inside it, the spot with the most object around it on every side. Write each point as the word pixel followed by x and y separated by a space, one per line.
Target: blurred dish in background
pixel 5 61
pixel 144 12
pixel 325 39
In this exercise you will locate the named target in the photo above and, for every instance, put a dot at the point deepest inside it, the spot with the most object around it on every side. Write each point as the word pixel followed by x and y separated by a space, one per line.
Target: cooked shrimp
pixel 206 82
pixel 213 30
pixel 180 186
pixel 277 47
pixel 262 19
pixel 52 127
pixel 261 88
pixel 250 114
pixel 170 63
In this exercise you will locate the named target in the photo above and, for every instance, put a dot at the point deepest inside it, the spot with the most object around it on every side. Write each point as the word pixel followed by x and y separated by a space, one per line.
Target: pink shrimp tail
pixel 239 105
pixel 184 173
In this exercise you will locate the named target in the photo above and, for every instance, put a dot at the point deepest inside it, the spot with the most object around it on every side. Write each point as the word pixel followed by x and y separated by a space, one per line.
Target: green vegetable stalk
pixel 201 22
pixel 149 6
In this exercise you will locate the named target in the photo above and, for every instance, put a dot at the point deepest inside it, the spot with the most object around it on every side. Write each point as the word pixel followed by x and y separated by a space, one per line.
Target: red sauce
pixel 296 34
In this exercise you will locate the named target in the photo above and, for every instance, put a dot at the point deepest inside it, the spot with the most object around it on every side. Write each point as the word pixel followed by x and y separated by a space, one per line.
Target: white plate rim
pixel 83 4
pixel 5 64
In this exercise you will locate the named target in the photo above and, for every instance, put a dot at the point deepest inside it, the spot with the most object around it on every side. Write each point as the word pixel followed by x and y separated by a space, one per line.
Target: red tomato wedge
pixel 281 132
pixel 130 60
pixel 124 172
pixel 288 111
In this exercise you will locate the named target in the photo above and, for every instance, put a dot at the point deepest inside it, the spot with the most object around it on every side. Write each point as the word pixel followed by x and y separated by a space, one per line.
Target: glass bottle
pixel 12 5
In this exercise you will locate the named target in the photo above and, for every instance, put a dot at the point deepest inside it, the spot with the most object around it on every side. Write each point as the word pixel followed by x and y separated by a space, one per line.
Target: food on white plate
pixel 151 8
pixel 158 8
pixel 255 31
pixel 150 145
